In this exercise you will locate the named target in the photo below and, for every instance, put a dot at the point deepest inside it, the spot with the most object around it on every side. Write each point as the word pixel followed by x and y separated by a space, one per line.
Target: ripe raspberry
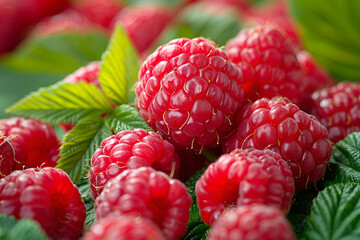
pixel 315 78
pixel 124 227
pixel 268 63
pixel 244 177
pixel 101 12
pixel 127 150
pixel 338 109
pixel 143 24
pixel 252 222
pixel 279 125
pixel 147 193
pixel 47 196
pixel 189 92
pixel 35 144
pixel 89 74
pixel 67 21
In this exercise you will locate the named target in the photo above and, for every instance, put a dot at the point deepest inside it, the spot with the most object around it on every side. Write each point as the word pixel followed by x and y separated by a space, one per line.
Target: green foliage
pixel 85 191
pixel 24 229
pixel 63 102
pixel 58 54
pixel 203 21
pixel 119 69
pixel 335 213
pixel 345 160
pixel 330 31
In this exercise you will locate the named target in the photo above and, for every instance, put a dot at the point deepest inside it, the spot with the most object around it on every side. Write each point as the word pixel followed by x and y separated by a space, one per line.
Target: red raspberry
pixel 147 193
pixel 67 21
pixel 279 125
pixel 35 144
pixel 127 150
pixel 189 92
pixel 252 222
pixel 101 12
pixel 47 196
pixel 338 109
pixel 143 23
pixel 315 78
pixel 268 63
pixel 244 177
pixel 124 227
pixel 89 74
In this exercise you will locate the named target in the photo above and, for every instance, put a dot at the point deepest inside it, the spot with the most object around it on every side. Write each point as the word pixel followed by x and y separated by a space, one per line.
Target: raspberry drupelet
pixel 189 91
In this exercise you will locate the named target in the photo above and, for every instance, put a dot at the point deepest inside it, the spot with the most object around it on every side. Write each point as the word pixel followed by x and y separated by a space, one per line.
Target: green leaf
pixel 126 117
pixel 63 102
pixel 58 54
pixel 80 143
pixel 85 191
pixel 203 20
pixel 24 229
pixel 330 31
pixel 119 68
pixel 345 160
pixel 78 146
pixel 191 182
pixel 335 213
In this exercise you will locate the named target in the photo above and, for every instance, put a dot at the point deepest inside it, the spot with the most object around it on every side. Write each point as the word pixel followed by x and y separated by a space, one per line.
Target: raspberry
pixel 338 109
pixel 67 21
pixel 268 63
pixel 244 177
pixel 127 150
pixel 124 227
pixel 147 193
pixel 315 78
pixel 101 12
pixel 47 196
pixel 252 222
pixel 34 144
pixel 143 23
pixel 279 125
pixel 189 92
pixel 89 74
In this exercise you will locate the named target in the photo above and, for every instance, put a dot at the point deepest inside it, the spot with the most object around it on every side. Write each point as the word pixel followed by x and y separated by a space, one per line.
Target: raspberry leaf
pixel 119 68
pixel 335 213
pixel 126 117
pixel 78 146
pixel 345 160
pixel 85 191
pixel 25 229
pixel 58 54
pixel 62 102
pixel 333 41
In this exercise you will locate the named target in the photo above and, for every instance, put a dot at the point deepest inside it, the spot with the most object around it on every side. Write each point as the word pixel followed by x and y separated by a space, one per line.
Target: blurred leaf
pixel 120 67
pixel 345 160
pixel 58 54
pixel 335 213
pixel 203 20
pixel 63 102
pixel 330 31
pixel 24 229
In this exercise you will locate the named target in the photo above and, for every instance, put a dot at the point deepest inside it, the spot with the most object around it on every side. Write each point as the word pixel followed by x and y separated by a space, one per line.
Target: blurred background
pixel 43 41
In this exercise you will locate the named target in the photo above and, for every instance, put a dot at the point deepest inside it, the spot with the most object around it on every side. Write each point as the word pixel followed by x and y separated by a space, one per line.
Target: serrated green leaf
pixel 196 229
pixel 85 191
pixel 345 160
pixel 126 117
pixel 63 102
pixel 333 41
pixel 24 229
pixel 119 68
pixel 78 146
pixel 335 213
pixel 191 182
pixel 58 54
